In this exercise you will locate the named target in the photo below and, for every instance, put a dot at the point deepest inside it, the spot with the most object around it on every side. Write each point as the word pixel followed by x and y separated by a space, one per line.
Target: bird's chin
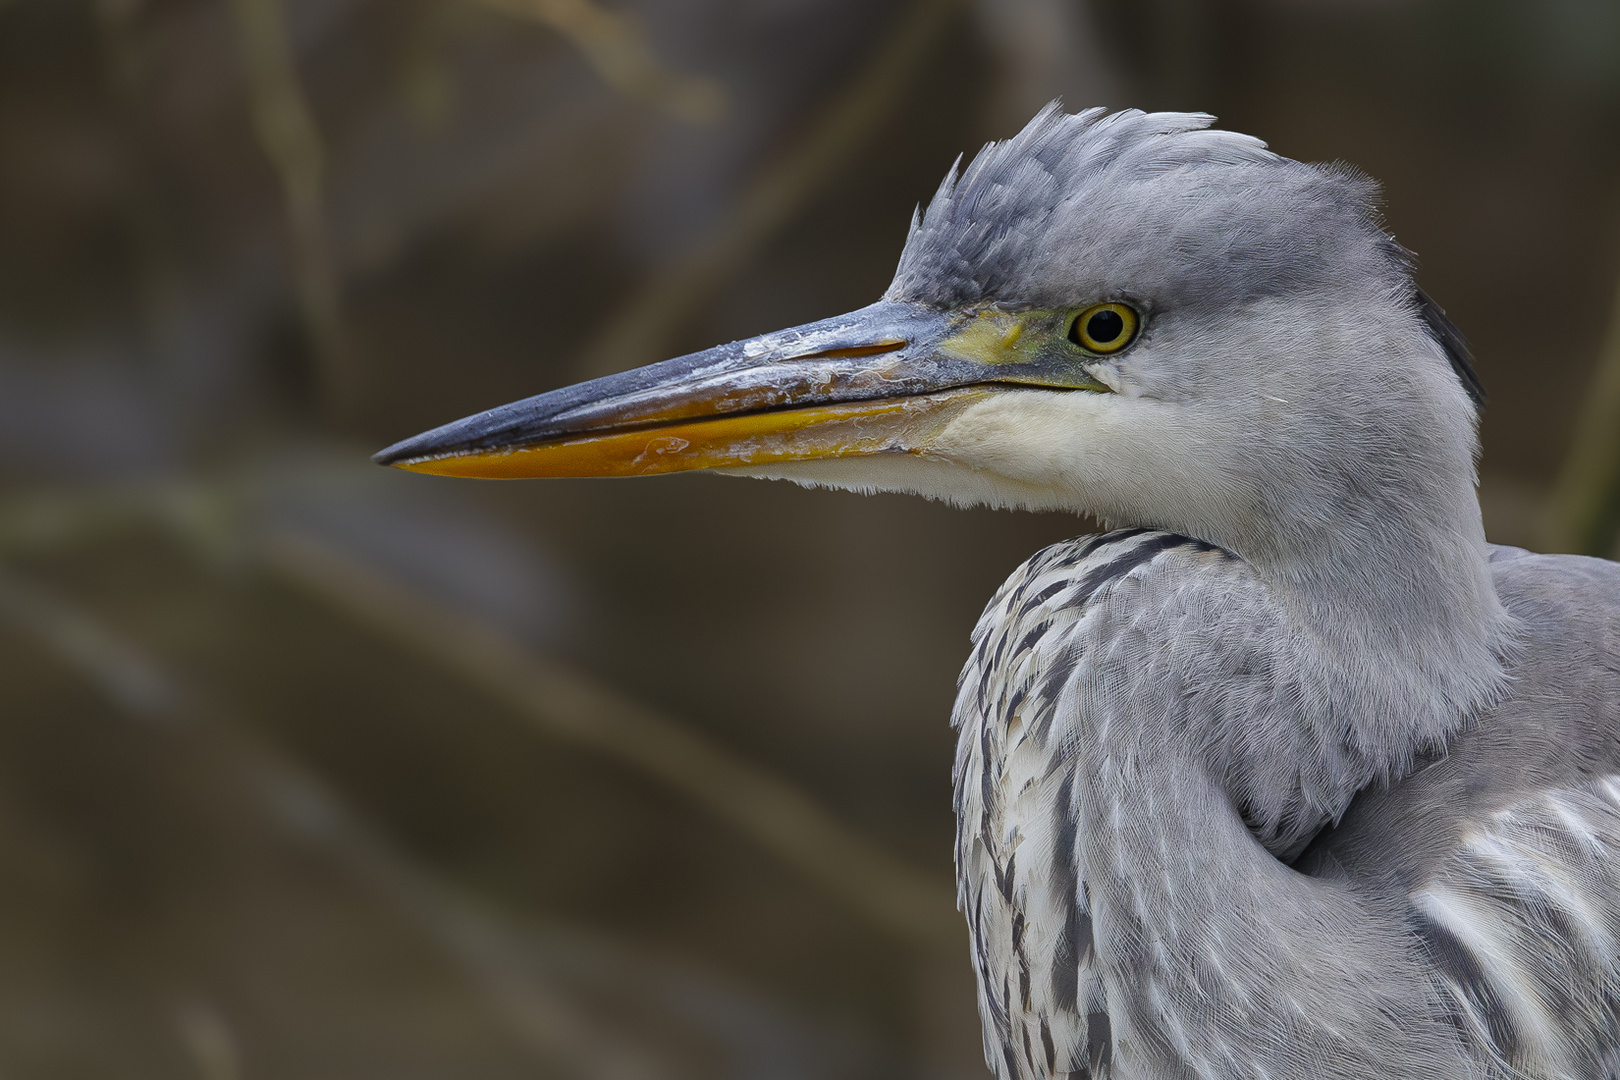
pixel 909 474
pixel 1014 449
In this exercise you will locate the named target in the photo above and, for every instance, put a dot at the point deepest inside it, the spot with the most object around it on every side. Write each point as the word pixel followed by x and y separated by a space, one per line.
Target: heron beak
pixel 884 379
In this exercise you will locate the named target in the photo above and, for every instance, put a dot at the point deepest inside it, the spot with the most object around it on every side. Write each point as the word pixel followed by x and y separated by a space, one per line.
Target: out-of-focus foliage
pixel 312 769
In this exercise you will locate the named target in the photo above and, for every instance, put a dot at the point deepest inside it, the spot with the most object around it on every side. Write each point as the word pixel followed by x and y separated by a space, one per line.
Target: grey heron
pixel 1291 775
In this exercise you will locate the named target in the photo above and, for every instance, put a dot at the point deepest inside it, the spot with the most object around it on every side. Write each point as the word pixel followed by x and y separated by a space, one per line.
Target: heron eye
pixel 1106 328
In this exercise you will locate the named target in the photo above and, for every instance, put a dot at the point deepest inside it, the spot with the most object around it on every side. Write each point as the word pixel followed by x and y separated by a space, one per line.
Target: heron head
pixel 1131 315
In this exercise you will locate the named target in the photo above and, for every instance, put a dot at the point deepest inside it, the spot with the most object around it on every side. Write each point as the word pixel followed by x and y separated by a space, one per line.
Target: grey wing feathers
pixel 1017 880
pixel 1522 924
pixel 1504 853
pixel 1018 811
pixel 1507 850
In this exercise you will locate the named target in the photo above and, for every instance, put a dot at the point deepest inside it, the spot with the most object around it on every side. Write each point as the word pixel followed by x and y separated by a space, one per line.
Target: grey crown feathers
pixel 1056 211
pixel 1126 200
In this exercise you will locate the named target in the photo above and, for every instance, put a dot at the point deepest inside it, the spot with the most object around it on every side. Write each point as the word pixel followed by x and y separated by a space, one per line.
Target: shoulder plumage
pixel 1053 590
pixel 1521 920
pixel 1044 1009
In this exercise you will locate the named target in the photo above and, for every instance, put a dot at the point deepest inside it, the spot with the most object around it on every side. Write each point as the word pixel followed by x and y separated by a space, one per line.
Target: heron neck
pixel 1395 598
pixel 1339 650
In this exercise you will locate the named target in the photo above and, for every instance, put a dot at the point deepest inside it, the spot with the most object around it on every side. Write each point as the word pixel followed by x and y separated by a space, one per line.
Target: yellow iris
pixel 1104 328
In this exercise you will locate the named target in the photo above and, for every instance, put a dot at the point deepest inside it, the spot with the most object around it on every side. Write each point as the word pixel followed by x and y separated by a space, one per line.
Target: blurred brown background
pixel 310 769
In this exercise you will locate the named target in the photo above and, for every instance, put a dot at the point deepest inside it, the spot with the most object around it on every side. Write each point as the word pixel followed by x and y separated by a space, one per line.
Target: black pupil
pixel 1105 327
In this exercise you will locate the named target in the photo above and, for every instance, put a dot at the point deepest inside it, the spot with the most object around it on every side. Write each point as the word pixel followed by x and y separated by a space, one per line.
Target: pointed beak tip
pixel 392 455
pixel 403 454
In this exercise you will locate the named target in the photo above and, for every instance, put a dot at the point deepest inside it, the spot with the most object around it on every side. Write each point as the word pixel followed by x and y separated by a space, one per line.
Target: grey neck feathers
pixel 1396 636
pixel 1403 636
pixel 1356 509
pixel 1392 645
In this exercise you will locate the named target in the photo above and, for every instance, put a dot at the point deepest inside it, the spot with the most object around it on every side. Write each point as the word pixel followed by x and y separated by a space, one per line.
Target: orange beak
pixel 881 380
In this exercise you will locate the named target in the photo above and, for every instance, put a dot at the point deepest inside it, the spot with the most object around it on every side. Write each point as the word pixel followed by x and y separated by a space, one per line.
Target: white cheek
pixel 1121 458
pixel 1035 436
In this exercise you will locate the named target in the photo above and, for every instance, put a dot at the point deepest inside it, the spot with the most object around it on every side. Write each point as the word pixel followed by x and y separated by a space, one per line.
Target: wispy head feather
pixel 1135 201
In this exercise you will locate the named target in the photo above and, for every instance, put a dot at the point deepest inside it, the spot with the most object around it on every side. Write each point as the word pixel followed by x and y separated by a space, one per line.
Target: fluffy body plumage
pixel 1137 747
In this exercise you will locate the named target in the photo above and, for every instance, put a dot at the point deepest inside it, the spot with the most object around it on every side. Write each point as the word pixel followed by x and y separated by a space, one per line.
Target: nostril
pixel 877 348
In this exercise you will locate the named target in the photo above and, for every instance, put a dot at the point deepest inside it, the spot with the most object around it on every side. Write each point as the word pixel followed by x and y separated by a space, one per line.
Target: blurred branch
pixel 123 675
pixel 428 89
pixel 616 48
pixel 287 132
pixel 1585 513
pixel 562 702
pixel 639 332
pixel 208 1036
pixel 569 705
pixel 1045 49
pixel 116 19
pixel 490 952
pixel 41 522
